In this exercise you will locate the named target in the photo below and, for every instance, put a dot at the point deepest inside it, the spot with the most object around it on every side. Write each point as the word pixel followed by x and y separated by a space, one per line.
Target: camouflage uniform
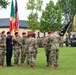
pixel 31 51
pixel 17 48
pixel 61 42
pixel 2 49
pixel 23 52
pixel 47 47
pixel 40 42
pixel 55 38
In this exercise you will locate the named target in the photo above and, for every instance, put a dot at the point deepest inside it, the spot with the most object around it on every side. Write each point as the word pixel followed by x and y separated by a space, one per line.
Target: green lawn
pixel 67 65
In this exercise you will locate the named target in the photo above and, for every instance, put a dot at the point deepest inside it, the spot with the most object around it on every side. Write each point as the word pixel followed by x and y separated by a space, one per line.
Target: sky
pixel 23 13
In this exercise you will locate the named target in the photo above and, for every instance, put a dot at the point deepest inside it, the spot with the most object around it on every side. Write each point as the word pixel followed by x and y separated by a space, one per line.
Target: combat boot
pixel 47 64
pixel 1 67
pixel 55 67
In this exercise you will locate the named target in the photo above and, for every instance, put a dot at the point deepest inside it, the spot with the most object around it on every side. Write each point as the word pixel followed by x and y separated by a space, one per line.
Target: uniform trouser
pixel 48 60
pixel 54 57
pixel 31 58
pixel 27 58
pixel 23 56
pixel 2 58
pixel 16 56
pixel 8 59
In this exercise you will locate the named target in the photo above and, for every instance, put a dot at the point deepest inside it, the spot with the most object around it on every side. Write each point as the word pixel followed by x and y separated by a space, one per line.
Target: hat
pixel 8 32
pixel 3 32
pixel 16 33
pixel 23 33
pixel 29 34
pixel 49 32
pixel 33 35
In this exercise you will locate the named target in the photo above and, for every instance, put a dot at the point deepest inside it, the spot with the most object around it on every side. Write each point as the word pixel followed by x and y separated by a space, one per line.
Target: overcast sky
pixel 23 13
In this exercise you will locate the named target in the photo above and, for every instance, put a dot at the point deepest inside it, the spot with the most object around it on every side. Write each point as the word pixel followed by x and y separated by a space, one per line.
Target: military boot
pixel 55 67
pixel 47 64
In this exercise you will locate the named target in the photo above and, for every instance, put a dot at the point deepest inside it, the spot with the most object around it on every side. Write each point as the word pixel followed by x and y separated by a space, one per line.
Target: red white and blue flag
pixel 16 27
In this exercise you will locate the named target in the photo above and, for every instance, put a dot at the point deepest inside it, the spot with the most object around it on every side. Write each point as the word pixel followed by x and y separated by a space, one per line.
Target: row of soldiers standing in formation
pixel 28 48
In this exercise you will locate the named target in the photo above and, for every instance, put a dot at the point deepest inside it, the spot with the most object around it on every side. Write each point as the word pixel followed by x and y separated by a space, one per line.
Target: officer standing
pixel 54 54
pixel 23 52
pixel 2 48
pixel 17 48
pixel 8 49
pixel 31 50
pixel 47 47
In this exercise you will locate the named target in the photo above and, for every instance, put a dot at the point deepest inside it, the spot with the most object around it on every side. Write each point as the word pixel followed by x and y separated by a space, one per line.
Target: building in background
pixel 23 27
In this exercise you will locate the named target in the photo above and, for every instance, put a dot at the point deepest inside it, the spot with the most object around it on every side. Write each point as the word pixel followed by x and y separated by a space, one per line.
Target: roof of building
pixel 4 23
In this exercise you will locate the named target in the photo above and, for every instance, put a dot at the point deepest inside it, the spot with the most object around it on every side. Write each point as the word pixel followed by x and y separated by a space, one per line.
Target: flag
pixel 16 27
pixel 75 23
pixel 65 28
pixel 12 17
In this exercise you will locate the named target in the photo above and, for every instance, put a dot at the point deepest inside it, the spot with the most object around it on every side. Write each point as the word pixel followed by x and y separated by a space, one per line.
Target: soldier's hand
pixel 4 45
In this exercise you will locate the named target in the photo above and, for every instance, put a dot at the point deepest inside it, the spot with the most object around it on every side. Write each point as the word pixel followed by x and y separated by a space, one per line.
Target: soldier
pixel 2 48
pixel 55 38
pixel 31 50
pixel 8 49
pixel 17 48
pixel 47 47
pixel 23 52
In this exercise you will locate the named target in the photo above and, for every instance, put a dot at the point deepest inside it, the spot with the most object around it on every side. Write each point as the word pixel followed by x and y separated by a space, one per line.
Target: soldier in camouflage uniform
pixel 23 52
pixel 2 48
pixel 55 38
pixel 17 48
pixel 47 47
pixel 31 50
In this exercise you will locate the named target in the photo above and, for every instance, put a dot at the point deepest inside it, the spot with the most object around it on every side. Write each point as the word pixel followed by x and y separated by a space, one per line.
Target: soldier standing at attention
pixel 17 48
pixel 2 48
pixel 54 54
pixel 31 50
pixel 8 49
pixel 23 52
pixel 47 47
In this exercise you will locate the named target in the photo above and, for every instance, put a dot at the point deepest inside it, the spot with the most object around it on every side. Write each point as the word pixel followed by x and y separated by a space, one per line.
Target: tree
pixel 51 17
pixel 3 3
pixel 68 8
pixel 35 6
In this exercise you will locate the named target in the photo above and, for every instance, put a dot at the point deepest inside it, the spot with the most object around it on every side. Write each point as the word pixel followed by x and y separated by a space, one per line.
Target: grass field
pixel 67 65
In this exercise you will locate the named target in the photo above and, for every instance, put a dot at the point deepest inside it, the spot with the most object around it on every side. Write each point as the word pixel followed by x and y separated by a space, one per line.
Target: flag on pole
pixel 16 27
pixel 65 28
pixel 75 23
pixel 12 17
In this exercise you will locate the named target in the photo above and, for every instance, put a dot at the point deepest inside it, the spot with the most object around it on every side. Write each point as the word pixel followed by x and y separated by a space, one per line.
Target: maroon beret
pixel 16 33
pixel 49 32
pixel 23 33
pixel 3 32
pixel 33 35
pixel 29 34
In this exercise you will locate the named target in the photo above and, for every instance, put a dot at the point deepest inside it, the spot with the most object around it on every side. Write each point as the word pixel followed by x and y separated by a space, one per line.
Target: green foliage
pixel 38 6
pixel 33 23
pixel 67 64
pixel 31 4
pixel 51 17
pixel 3 3
pixel 35 6
pixel 68 8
